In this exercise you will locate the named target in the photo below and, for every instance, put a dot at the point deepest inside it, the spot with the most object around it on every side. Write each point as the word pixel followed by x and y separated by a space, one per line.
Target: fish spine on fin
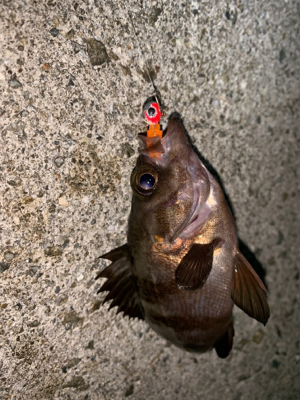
pixel 248 292
pixel 120 283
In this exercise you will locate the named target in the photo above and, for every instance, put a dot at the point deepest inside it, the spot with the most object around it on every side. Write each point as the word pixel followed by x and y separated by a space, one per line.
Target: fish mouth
pixel 160 148
pixel 175 122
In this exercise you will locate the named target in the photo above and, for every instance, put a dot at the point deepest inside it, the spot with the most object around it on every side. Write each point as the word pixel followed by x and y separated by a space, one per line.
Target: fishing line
pixel 142 53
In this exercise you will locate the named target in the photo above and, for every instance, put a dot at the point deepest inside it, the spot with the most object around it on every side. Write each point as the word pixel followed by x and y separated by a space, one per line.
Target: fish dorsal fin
pixel 194 268
pixel 248 292
pixel 120 283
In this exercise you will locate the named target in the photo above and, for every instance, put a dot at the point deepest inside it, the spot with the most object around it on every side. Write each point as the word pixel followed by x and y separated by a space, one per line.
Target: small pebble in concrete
pixel 97 52
pixel 58 161
pixel 86 200
pixel 4 266
pixel 275 364
pixel 62 201
pixel 129 391
pixel 9 256
pixel 54 251
pixel 54 32
pixel 258 336
pixel 33 324
pixel 77 382
pixel 14 83
pixel 70 34
pixel 90 344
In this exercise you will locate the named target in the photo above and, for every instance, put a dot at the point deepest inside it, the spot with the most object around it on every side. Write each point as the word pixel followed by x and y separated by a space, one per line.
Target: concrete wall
pixel 70 110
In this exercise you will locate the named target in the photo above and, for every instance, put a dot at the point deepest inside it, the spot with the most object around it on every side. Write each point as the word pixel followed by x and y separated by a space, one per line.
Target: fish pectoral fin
pixel 248 292
pixel 120 283
pixel 195 267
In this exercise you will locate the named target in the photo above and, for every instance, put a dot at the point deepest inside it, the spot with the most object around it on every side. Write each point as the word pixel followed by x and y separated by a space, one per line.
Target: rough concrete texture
pixel 72 85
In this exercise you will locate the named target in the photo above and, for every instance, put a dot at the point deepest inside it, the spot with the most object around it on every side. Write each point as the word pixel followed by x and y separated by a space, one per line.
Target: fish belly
pixel 194 321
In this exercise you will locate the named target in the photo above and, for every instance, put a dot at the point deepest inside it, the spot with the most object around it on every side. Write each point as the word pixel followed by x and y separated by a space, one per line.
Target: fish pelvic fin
pixel 120 283
pixel 248 292
pixel 195 267
pixel 224 345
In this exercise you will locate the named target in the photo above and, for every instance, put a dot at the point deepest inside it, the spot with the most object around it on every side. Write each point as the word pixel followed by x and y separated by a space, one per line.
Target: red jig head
pixel 152 115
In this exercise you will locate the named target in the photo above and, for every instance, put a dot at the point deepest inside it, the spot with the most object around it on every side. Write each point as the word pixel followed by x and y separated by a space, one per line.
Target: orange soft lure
pixel 154 131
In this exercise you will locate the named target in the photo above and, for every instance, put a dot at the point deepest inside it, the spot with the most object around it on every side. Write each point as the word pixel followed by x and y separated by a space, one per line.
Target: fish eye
pixel 144 180
pixel 147 181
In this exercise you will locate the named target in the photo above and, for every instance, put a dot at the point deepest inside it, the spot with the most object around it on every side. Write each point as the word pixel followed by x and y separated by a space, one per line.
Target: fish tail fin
pixel 224 345
pixel 120 283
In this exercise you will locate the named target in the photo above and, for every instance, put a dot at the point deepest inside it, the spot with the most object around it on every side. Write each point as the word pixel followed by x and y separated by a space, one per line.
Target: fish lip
pixel 175 125
pixel 175 118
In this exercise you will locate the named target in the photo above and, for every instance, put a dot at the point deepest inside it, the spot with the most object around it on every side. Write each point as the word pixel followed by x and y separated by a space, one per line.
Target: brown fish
pixel 181 269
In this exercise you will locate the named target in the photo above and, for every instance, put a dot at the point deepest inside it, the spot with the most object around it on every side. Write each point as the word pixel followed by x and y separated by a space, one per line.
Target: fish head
pixel 169 184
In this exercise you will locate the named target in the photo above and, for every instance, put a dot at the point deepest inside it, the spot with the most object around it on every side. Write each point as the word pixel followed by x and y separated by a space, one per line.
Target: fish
pixel 181 269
